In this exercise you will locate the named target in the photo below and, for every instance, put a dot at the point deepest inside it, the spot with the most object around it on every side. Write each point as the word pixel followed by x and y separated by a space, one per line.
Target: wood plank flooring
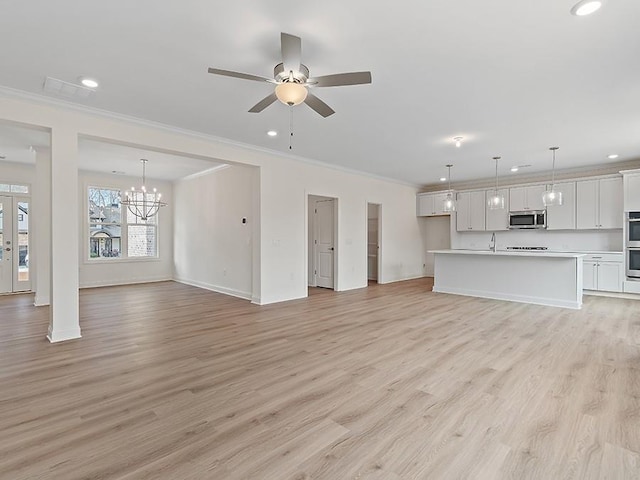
pixel 390 382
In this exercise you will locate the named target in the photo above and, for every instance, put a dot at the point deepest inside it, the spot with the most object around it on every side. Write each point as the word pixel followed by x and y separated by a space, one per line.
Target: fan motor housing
pixel 300 76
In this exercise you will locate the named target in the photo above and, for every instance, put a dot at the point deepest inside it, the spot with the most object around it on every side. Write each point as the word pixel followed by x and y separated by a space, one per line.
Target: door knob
pixel 7 249
pixel 331 248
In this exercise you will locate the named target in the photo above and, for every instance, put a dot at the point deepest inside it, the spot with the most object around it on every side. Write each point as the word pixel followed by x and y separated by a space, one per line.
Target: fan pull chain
pixel 290 126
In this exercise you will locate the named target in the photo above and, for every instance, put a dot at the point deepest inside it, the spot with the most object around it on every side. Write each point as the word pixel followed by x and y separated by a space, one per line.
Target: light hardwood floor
pixel 390 382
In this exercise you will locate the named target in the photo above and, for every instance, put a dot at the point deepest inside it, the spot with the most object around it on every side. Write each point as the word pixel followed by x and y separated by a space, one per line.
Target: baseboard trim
pixel 548 302
pixel 215 288
pixel 625 295
pixel 385 281
pixel 58 336
pixel 134 281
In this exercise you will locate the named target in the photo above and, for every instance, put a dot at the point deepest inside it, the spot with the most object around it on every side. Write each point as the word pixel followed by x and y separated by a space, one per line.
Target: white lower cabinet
pixel 603 272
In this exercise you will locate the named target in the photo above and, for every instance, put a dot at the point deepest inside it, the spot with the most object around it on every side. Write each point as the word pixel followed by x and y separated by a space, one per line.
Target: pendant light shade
pixel 496 200
pixel 552 197
pixel 449 203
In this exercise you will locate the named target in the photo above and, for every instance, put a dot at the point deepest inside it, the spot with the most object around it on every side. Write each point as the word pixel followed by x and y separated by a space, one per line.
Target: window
pixel 5 187
pixel 111 235
pixel 142 234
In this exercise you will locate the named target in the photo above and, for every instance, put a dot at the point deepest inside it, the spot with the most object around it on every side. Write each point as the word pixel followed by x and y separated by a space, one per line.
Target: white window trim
pixel 124 230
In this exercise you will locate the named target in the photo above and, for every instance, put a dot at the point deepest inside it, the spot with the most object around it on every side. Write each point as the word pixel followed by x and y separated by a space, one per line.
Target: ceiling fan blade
pixel 264 103
pixel 291 52
pixel 318 105
pixel 244 76
pixel 340 79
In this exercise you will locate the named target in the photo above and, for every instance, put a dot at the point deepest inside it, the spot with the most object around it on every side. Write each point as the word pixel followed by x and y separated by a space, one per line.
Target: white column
pixel 41 225
pixel 64 322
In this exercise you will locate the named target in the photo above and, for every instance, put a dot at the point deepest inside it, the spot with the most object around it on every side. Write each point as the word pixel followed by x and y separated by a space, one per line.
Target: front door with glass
pixel 6 244
pixel 14 244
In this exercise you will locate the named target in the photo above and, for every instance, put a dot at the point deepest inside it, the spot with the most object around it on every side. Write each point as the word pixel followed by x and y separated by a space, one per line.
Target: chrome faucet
pixel 492 242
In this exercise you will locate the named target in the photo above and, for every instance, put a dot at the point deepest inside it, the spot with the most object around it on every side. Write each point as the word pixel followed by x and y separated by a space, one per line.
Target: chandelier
pixel 141 203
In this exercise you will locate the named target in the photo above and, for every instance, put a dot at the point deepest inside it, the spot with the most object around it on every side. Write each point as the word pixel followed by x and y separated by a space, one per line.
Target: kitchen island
pixel 540 277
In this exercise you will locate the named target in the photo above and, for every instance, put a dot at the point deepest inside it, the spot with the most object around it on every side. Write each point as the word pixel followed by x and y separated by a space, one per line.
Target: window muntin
pixel 110 237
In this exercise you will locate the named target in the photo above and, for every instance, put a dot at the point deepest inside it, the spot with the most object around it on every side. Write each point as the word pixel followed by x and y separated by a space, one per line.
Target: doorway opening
pixel 14 239
pixel 322 234
pixel 374 232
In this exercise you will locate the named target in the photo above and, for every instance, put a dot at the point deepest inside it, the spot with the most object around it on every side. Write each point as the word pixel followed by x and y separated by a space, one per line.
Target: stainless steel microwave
pixel 528 219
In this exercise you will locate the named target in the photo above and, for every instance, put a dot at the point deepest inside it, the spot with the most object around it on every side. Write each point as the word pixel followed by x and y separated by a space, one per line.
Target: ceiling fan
pixel 292 79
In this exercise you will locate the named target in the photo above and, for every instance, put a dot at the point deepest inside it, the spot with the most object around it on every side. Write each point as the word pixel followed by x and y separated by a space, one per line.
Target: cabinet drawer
pixel 605 257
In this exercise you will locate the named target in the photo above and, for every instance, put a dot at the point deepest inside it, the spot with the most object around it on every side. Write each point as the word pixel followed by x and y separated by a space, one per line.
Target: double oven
pixel 633 244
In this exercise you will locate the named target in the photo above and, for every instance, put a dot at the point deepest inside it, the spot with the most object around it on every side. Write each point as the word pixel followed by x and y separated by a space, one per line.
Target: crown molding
pixel 202 173
pixel 541 177
pixel 38 99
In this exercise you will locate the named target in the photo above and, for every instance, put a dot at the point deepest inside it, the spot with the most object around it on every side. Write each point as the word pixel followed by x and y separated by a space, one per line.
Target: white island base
pixel 543 278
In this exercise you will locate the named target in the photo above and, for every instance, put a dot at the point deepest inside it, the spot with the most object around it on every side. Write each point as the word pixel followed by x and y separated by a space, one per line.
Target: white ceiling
pixel 98 156
pixel 511 77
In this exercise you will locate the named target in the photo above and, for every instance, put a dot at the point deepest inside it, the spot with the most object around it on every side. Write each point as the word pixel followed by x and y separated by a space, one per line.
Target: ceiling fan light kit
pixel 292 79
pixel 291 93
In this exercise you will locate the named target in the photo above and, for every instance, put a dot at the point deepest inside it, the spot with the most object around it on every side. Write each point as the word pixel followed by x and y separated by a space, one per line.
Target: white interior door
pixel 6 244
pixel 324 243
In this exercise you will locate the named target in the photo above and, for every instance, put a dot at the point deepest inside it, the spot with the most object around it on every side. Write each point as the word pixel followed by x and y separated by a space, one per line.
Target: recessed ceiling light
pixel 443 179
pixel 89 82
pixel 613 156
pixel 272 133
pixel 514 169
pixel 586 7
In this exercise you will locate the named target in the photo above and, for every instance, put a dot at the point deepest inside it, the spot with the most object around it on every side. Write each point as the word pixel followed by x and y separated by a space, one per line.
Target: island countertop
pixel 530 276
pixel 519 253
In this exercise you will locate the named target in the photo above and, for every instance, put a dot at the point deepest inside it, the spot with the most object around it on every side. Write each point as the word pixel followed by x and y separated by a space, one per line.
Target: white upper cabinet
pixel 599 204
pixel 470 211
pixel 611 203
pixel 430 204
pixel 526 198
pixel 497 219
pixel 632 192
pixel 563 217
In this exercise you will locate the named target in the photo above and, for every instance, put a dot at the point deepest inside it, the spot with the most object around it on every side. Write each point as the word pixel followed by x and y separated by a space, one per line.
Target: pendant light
pixel 449 203
pixel 552 197
pixel 496 201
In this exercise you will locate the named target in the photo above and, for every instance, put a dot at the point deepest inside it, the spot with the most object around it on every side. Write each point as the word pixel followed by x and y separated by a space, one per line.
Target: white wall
pixel 285 182
pixel 11 172
pixel 287 185
pixel 213 248
pixel 102 272
pixel 436 235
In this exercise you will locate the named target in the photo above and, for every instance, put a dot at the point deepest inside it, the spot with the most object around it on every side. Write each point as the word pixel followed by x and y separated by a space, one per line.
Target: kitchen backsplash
pixel 584 240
